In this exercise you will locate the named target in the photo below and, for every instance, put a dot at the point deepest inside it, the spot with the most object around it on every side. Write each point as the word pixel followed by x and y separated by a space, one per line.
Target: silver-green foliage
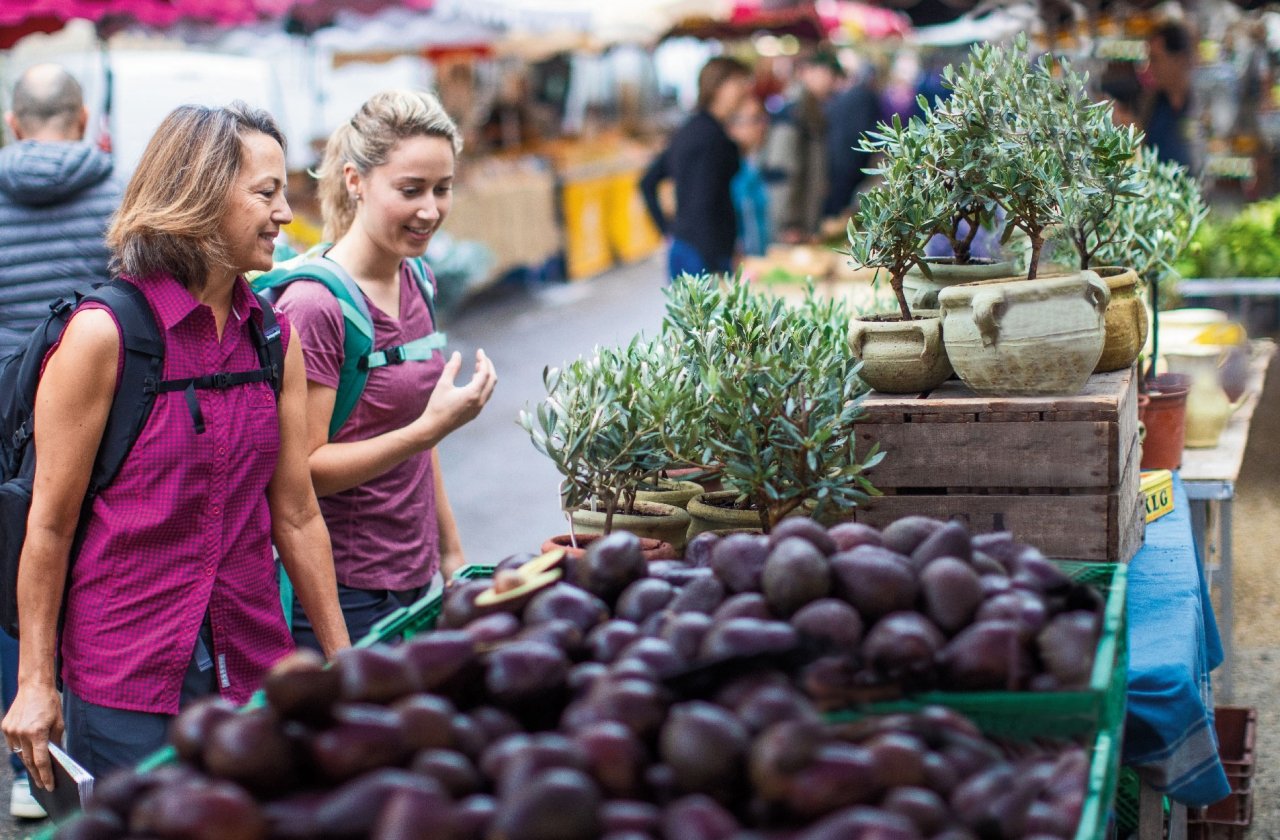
pixel 773 396
pixel 1049 157
pixel 896 217
pixel 603 422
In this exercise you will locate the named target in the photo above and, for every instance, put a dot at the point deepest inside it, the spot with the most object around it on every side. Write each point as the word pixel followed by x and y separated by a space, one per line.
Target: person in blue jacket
pixel 701 159
pixel 748 127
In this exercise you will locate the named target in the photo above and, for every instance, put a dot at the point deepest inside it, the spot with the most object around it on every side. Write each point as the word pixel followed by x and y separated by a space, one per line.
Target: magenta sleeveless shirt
pixel 183 529
pixel 385 533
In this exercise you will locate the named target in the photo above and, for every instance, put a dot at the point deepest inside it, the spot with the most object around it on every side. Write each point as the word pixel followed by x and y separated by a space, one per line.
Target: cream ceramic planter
pixel 706 515
pixel 901 357
pixel 669 492
pixel 662 522
pixel 1039 337
pixel 1126 320
pixel 922 292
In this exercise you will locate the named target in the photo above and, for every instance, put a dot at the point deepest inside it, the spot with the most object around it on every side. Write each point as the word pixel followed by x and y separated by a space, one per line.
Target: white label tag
pixel 222 671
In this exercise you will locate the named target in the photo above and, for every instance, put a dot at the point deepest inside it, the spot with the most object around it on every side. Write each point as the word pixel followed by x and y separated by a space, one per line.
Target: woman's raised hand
pixel 453 405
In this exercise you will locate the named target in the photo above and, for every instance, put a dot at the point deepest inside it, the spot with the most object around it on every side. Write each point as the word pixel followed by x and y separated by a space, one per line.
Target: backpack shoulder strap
pixel 426 283
pixel 357 341
pixel 269 342
pixel 143 367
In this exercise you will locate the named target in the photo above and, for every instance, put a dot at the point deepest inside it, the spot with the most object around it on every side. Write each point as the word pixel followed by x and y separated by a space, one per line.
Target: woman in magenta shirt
pixel 386 184
pixel 173 591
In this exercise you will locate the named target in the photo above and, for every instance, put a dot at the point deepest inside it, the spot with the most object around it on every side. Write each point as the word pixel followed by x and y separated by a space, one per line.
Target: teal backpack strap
pixel 425 282
pixel 358 333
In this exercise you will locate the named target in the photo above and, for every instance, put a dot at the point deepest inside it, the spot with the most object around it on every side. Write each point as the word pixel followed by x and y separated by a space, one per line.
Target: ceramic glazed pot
pixel 900 357
pixel 1126 320
pixel 1181 327
pixel 666 523
pixel 922 292
pixel 707 514
pixel 650 548
pixel 1208 408
pixel 1039 337
pixel 1163 412
pixel 670 492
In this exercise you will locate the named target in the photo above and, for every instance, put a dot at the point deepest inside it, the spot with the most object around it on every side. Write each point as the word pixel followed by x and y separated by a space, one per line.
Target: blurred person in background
pixel 173 592
pixel 701 159
pixel 1120 86
pixel 797 147
pixel 57 194
pixel 1166 108
pixel 850 114
pixel 747 127
pixel 386 187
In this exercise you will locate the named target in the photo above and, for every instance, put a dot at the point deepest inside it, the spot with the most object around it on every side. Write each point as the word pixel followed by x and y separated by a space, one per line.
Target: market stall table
pixel 1210 477
pixel 1246 291
pixel 1173 646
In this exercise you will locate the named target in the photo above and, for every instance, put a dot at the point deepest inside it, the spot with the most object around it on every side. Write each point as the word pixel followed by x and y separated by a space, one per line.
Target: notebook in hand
pixel 72 787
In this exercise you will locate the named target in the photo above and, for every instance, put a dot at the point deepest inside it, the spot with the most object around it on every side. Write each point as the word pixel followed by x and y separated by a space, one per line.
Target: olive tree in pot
pixel 773 396
pixel 601 425
pixel 901 353
pixel 949 167
pixel 1041 335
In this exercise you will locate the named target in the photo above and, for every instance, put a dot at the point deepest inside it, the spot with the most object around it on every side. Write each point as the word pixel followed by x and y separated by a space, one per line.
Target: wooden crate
pixel 1061 473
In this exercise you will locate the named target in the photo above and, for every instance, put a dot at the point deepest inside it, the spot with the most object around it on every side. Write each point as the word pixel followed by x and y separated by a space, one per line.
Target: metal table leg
pixel 1151 824
pixel 1226 624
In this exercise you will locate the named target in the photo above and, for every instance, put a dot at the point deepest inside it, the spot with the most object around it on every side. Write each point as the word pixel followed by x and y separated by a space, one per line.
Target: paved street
pixel 504 493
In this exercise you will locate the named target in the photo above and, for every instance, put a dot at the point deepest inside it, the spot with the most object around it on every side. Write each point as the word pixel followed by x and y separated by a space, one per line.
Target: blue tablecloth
pixel 1173 645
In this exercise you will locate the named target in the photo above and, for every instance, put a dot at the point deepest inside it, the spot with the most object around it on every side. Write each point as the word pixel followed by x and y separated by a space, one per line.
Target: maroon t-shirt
pixel 385 533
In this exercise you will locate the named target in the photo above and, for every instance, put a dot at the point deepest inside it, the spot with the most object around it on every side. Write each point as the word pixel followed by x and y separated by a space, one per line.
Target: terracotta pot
pixel 922 292
pixel 1126 320
pixel 706 515
pixel 1020 337
pixel 1163 412
pixel 666 523
pixel 900 357
pixel 671 492
pixel 650 548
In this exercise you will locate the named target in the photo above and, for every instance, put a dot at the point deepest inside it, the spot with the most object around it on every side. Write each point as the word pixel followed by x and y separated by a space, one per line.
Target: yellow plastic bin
pixel 632 235
pixel 586 248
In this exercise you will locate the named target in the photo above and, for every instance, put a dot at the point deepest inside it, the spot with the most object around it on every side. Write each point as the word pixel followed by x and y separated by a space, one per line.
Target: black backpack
pixel 140 381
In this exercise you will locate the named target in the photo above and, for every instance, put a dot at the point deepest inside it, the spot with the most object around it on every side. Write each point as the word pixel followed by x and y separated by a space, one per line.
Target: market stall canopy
pixel 810 21
pixel 634 21
pixel 22 17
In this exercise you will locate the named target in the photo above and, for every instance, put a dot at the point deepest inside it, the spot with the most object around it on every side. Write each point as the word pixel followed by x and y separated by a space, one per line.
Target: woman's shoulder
pixel 307 300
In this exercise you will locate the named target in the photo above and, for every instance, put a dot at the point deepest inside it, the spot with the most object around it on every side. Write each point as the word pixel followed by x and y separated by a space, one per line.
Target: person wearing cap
pixel 797 150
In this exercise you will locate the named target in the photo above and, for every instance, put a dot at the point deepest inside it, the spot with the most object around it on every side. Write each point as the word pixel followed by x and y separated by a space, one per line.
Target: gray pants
pixel 362 608
pixel 103 739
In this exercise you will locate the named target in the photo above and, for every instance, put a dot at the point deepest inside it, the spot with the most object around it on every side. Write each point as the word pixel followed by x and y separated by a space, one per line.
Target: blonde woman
pixel 172 594
pixel 386 185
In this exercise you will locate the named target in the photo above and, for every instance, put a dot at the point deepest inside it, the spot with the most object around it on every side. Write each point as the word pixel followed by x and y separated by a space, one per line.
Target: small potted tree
pixel 1037 335
pixel 774 396
pixel 950 168
pixel 901 353
pixel 601 425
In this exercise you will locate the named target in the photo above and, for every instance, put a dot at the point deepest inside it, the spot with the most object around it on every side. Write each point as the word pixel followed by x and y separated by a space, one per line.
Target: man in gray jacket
pixel 56 196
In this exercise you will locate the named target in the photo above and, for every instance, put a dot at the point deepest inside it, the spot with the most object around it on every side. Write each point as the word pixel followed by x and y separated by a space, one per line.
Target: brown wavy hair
pixel 366 140
pixel 173 206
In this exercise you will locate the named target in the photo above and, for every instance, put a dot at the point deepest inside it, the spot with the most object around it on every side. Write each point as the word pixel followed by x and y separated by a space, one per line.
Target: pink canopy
pixel 22 17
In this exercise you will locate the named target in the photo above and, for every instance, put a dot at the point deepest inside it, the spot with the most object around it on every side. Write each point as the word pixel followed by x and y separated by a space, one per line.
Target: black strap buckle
pixel 395 355
pixel 220 381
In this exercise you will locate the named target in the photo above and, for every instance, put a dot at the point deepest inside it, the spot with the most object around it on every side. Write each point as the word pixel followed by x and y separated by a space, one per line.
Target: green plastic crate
pixel 1100 708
